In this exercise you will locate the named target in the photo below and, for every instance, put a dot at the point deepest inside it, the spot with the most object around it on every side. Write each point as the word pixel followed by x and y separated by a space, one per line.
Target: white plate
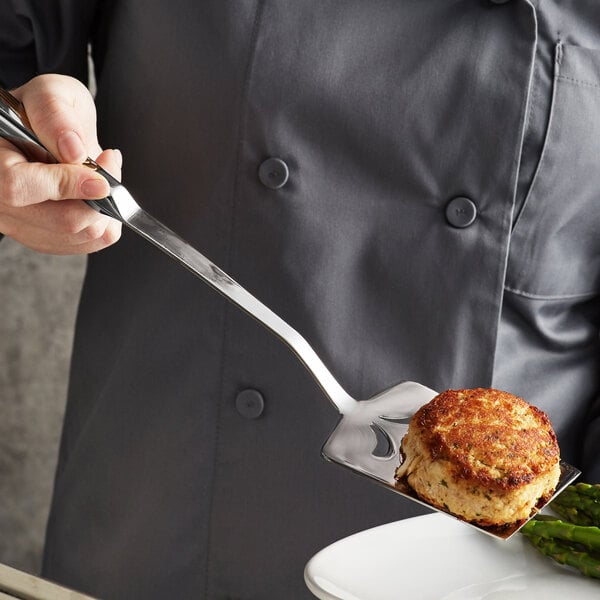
pixel 438 558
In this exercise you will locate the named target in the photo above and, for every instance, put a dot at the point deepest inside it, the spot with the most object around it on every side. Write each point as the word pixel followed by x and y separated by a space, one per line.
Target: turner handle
pixel 15 127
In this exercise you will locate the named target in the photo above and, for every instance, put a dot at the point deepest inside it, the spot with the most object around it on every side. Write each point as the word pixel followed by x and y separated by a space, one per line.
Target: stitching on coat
pixel 579 81
pixel 532 296
pixel 545 143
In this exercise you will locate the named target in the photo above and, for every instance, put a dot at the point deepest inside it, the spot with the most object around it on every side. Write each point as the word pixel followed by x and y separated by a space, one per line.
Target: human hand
pixel 40 204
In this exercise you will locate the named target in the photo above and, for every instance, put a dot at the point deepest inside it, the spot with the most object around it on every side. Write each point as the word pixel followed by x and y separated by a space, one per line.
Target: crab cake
pixel 486 456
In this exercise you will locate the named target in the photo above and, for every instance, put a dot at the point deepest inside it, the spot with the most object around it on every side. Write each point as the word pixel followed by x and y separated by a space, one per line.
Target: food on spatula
pixel 483 455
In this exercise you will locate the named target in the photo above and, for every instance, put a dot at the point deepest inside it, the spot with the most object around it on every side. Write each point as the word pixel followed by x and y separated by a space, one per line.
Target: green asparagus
pixel 579 504
pixel 572 514
pixel 574 539
pixel 587 489
pixel 550 528
pixel 566 554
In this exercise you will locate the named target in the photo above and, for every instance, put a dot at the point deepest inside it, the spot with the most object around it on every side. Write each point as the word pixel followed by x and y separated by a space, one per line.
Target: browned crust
pixel 489 437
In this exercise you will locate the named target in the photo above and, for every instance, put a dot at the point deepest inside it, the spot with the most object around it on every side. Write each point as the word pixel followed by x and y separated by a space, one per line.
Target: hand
pixel 40 204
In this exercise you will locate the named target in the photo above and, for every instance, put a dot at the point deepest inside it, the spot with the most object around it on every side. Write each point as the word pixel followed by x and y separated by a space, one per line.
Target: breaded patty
pixel 484 455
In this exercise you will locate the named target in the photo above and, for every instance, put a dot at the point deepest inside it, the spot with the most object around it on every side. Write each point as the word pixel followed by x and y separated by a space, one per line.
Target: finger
pixel 52 245
pixel 65 217
pixel 97 234
pixel 62 114
pixel 24 183
pixel 111 161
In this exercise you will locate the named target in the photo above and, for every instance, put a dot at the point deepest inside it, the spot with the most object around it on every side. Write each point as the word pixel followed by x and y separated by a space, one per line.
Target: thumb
pixel 63 116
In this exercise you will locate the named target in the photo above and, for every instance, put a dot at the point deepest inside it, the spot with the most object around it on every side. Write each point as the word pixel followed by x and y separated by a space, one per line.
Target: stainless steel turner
pixel 368 434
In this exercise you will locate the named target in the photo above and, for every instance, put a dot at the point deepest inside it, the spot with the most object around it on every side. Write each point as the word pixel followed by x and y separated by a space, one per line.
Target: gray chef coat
pixel 438 222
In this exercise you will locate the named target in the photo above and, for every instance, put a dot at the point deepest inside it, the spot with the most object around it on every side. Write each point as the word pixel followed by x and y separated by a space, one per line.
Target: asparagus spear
pixel 572 514
pixel 553 529
pixel 587 489
pixel 564 553
pixel 579 503
pixel 576 542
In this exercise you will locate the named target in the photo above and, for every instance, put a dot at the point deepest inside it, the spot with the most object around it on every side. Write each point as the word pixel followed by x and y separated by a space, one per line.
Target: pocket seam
pixel 547 135
pixel 581 82
pixel 533 296
pixel 543 290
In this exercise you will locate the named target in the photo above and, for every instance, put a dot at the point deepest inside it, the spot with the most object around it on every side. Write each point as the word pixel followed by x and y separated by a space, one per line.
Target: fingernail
pixel 118 157
pixel 94 188
pixel 71 147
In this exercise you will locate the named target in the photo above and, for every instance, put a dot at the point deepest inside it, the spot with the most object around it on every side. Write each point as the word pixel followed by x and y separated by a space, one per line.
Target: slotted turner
pixel 368 434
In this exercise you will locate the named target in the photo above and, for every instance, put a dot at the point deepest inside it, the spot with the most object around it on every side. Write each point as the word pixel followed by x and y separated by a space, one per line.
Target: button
pixel 461 212
pixel 250 403
pixel 273 173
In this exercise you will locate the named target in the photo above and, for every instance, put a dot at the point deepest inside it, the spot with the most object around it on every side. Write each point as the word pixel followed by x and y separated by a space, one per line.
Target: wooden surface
pixel 16 584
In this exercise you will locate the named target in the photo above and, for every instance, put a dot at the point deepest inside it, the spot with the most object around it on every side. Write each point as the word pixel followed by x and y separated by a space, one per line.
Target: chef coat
pixel 413 185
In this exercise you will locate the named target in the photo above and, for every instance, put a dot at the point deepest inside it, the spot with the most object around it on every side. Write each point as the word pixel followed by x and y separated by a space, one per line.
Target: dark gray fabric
pixel 383 112
pixel 40 37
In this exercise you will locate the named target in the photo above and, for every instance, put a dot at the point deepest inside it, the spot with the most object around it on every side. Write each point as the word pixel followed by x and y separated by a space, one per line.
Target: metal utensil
pixel 368 434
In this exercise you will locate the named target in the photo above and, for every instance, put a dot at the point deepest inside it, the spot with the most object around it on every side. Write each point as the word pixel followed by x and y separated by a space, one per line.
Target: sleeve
pixel 44 36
